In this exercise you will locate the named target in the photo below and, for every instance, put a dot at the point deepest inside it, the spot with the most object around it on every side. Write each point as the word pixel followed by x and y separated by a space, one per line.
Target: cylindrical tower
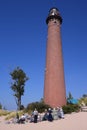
pixel 54 85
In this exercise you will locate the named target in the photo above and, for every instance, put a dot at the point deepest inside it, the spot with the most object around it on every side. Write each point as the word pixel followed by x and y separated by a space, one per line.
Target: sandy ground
pixel 74 121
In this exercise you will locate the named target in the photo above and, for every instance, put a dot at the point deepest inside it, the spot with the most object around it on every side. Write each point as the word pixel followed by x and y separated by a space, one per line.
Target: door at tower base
pixel 54 83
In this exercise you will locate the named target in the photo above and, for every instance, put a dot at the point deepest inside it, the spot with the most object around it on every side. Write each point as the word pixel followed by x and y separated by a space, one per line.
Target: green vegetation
pixel 83 99
pixel 69 96
pixel 19 78
pixel 0 106
pixel 40 106
pixel 71 108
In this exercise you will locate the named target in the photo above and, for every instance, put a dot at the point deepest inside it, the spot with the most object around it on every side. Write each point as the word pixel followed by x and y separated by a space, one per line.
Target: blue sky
pixel 23 34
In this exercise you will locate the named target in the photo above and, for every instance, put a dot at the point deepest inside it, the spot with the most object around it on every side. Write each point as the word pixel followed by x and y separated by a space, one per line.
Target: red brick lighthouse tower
pixel 54 85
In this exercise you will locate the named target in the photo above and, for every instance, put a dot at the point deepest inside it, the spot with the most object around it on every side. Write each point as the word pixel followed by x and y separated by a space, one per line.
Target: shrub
pixel 71 108
pixel 40 106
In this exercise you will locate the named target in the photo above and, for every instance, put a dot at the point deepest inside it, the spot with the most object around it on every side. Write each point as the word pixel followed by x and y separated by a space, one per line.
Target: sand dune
pixel 74 121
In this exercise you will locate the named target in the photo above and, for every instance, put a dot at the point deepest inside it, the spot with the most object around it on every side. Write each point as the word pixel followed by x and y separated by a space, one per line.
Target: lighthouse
pixel 54 82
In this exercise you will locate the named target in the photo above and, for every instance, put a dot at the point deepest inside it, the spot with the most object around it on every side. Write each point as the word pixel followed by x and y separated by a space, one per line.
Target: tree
pixel 19 78
pixel 83 99
pixel 70 96
pixel 84 96
pixel 0 106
